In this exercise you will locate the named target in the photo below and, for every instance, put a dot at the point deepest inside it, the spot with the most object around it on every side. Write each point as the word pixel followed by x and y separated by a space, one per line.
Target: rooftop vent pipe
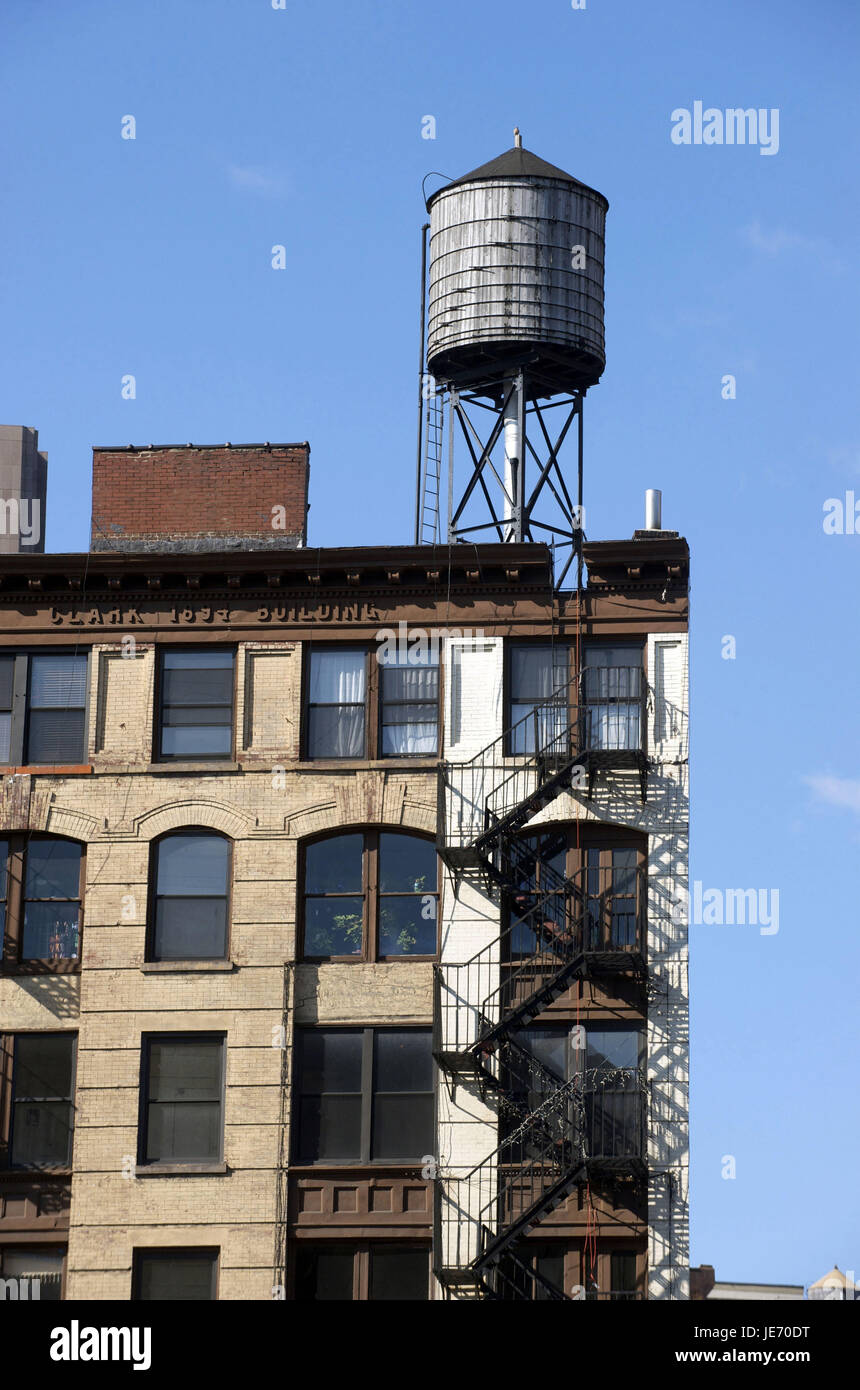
pixel 653 509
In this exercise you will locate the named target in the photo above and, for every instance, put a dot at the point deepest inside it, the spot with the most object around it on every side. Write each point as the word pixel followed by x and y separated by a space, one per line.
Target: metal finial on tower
pixel 518 139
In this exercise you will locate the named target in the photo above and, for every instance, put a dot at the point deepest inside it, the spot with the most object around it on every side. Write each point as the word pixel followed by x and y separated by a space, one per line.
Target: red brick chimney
pixel 197 497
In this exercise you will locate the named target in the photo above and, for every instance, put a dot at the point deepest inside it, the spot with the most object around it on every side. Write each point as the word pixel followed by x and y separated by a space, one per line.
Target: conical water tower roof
pixel 517 163
pixel 835 1279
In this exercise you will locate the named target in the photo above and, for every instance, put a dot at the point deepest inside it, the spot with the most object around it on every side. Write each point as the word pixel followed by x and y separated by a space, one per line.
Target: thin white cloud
pixel 255 179
pixel 776 241
pixel 837 791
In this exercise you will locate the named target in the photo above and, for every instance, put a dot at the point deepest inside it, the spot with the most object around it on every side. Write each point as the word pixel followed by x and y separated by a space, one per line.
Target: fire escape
pixel 555 1134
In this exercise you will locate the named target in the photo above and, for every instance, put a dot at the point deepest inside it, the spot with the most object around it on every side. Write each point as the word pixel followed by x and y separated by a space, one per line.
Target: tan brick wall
pixel 118 811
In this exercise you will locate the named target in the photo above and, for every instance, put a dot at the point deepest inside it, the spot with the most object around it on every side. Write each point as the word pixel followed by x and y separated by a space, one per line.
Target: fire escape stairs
pixel 545 1156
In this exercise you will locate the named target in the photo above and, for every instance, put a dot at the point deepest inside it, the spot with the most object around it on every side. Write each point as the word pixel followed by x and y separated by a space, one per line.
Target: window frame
pixel 179 1252
pixel 535 643
pixel 8 1042
pixel 176 649
pixel 580 841
pixel 152 897
pixel 373 709
pixel 35 1246
pixel 11 961
pixel 362 1252
pixel 19 736
pixel 367 1094
pixel 370 894
pixel 190 1165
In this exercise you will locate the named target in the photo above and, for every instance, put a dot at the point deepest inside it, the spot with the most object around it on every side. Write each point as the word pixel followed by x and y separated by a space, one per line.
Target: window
pixel 409 703
pixel 336 703
pixel 390 1273
pixel 590 883
pixel 546 1261
pixel 364 1095
pixel 43 700
pixel 360 707
pixel 612 690
pixel 196 704
pixel 174 1276
pixel 371 896
pixel 189 919
pixel 42 1110
pixel 624 1283
pixel 540 696
pixel 609 1066
pixel 182 1102
pixel 37 1270
pixel 41 892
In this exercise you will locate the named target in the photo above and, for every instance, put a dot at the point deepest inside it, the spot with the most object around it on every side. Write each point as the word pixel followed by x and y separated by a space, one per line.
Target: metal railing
pixel 598 1116
pixel 602 714
pixel 536 954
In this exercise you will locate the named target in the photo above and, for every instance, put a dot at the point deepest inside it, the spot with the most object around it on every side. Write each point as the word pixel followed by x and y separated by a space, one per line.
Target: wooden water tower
pixel 514 329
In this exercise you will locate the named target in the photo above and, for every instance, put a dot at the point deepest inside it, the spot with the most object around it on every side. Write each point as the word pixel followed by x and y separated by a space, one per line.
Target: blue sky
pixel 302 127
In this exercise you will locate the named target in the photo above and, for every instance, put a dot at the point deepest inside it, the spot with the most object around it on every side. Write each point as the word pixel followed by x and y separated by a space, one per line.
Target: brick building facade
pixel 234 898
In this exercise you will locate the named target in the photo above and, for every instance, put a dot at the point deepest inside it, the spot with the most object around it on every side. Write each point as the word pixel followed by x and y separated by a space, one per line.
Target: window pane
pixel 199 741
pixel 331 1059
pixel 185 1071
pixel 623 1267
pixel 613 656
pixel 4 859
pixel 43 1065
pixel 180 717
pixel 192 865
pixel 58 682
pixel 613 1048
pixel 402 681
pixel 53 869
pixel 190 929
pixel 330 1128
pixel 402 1126
pixel 323 1275
pixel 406 864
pixel 41 1133
pixel 208 660
pixel 334 866
pixel 7 671
pixel 407 926
pixel 183 1132
pixel 403 1060
pixel 336 732
pixel 334 926
pixel 409 730
pixel 398 1275
pixel 50 931
pixel 329 1083
pixel 337 677
pixel 549 1264
pixel 5 737
pixel 537 672
pixel 55 736
pixel 176 1278
pixel 549 1046
pixel 198 686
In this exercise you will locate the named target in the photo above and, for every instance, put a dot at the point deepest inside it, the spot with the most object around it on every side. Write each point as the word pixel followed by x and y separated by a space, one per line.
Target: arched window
pixel 190 893
pixel 371 895
pixel 41 888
